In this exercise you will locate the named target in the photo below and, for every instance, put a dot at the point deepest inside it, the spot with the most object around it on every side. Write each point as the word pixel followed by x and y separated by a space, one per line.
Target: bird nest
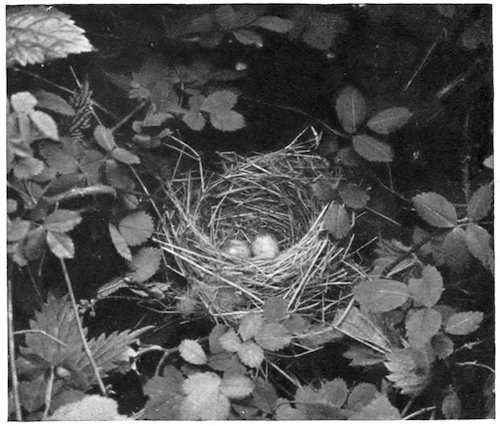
pixel 262 193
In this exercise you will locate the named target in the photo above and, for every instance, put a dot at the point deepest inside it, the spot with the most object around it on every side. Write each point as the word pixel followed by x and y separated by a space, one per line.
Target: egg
pixel 265 246
pixel 237 248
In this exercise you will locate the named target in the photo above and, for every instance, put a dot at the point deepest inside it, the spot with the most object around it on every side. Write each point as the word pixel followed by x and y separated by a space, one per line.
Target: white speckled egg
pixel 237 248
pixel 265 246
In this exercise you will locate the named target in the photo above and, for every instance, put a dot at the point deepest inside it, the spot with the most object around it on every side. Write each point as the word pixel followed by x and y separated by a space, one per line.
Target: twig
pixel 128 116
pixel 48 393
pixel 55 339
pixel 82 192
pixel 407 407
pixel 417 413
pixel 12 359
pixel 93 364
pixel 476 364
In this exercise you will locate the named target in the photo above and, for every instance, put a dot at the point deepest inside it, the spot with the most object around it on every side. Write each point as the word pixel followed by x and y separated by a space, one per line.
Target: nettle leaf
pixel 480 203
pixel 379 408
pixel 455 250
pixel 428 289
pixel 165 395
pixel 251 354
pixel 361 395
pixel 58 160
pixel 422 325
pixel 410 370
pixel 119 242
pixel 227 121
pixel 248 37
pixel 389 120
pixel 250 324
pixel 435 209
pixel 337 221
pixel 45 124
pixel 451 406
pixel 381 295
pixel 38 34
pixel 236 386
pixel 442 346
pixel 61 245
pixel 351 108
pixel 124 156
pixel 23 102
pixel 275 309
pixel 265 397
pixel 354 196
pixel 104 138
pixel 62 220
pixel 322 29
pixel 53 102
pixel 372 149
pixel 192 352
pixel 136 228
pixel 145 263
pixel 479 244
pixel 273 23
pixel 230 341
pixel 213 339
pixel 273 337
pixel 464 323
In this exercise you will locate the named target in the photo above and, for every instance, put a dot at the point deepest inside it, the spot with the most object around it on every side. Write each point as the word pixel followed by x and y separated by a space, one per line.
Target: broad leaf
pixel 264 396
pixel 322 29
pixel 362 356
pixel 124 156
pixel 479 243
pixel 379 408
pixel 351 108
pixel 23 102
pixel 136 228
pixel 104 138
pixel 59 160
pixel 389 120
pixel 165 395
pixel 230 341
pixel 273 337
pixel 192 352
pixel 45 124
pixel 53 102
pixel 250 325
pixel 361 395
pixel 61 245
pixel 220 101
pixel 381 295
pixel 251 354
pixel 90 408
pixel 334 392
pixel 354 196
pixel 248 37
pixel 464 323
pixel 428 289
pixel 227 121
pixel 372 149
pixel 273 23
pixel 62 220
pixel 455 251
pixel 451 406
pixel 275 309
pixel 442 346
pixel 337 221
pixel 435 210
pixel 422 325
pixel 213 339
pixel 119 242
pixel 145 263
pixel 480 203
pixel 236 386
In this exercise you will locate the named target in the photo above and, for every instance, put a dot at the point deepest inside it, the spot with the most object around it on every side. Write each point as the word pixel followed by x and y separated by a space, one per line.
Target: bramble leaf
pixel 455 251
pixel 251 354
pixel 58 160
pixel 275 309
pixel 422 325
pixel 435 210
pixel 53 102
pixel 26 168
pixel 324 189
pixel 334 392
pixel 273 337
pixel 389 120
pixel 372 149
pixel 119 242
pixel 230 341
pixel 351 108
pixel 381 295
pixel 250 324
pixel 192 352
pixel 273 23
pixel 45 123
pixel 410 370
pixel 480 203
pixel 236 386
pixel 464 323
pixel 165 395
pixel 194 118
pixel 479 243
pixel 60 244
pixel 220 101
pixel 136 228
pixel 428 289
pixel 354 196
pixel 379 408
pixel 145 264
pixel 361 395
pixel 62 220
pixel 337 221
pixel 17 229
pixel 265 396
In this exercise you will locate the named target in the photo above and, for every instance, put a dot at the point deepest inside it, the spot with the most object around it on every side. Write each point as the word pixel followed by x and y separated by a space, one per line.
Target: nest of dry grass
pixel 266 192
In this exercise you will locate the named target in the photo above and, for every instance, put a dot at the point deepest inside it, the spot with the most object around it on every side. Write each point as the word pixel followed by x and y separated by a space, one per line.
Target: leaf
pixel 362 356
pixel 23 102
pixel 58 160
pixel 435 209
pixel 119 242
pixel 220 101
pixel 296 324
pixel 17 229
pixel 61 245
pixel 428 289
pixel 62 220
pixel 464 323
pixel 275 309
pixel 192 352
pixel 389 120
pixel 104 137
pixel 379 408
pixel 354 196
pixel 489 162
pixel 11 206
pixel 422 325
pixel 381 295
pixel 248 37
pixel 334 392
pixel 337 221
pixel 479 244
pixel 38 34
pixel 145 263
pixel 195 120
pixel 372 149
pixel 53 102
pixel 361 395
pixel 124 156
pixel 284 411
pixel 165 395
pixel 273 23
pixel 265 397
pixel 442 346
pixel 351 108
pixel 136 228
pixel 251 354
pixel 223 361
pixel 213 339
pixel 455 250
pixel 230 341
pixel 480 203
pixel 236 386
pixel 227 121
pixel 273 337
pixel 409 370
pixel 90 408
pixel 28 167
pixel 226 17
pixel 322 29
pixel 325 190
pixel 250 324
pixel 35 243
pixel 451 406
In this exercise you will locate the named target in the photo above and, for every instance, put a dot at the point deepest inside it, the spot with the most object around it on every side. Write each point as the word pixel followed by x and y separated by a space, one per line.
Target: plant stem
pixel 12 359
pixel 417 413
pixel 93 364
pixel 48 393
pixel 128 116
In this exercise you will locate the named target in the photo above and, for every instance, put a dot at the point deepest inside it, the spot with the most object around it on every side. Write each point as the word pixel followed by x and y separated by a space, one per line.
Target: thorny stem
pixel 93 364
pixel 12 359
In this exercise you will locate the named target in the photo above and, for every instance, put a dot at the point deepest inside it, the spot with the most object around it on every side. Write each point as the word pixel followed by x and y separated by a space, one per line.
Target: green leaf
pixel 23 102
pixel 325 189
pixel 251 354
pixel 451 406
pixel 220 101
pixel 479 244
pixel 464 323
pixel 61 245
pixel 53 102
pixel 389 120
pixel 362 356
pixel 35 243
pixel 455 250
pixel 322 29
pixel 296 324
pixel 248 37
pixel 265 397
pixel 422 325
pixel 273 23
pixel 90 408
pixel 225 16
pixel 250 324
pixel 351 108
pixel 361 395
pixel 136 228
pixel 165 395
pixel 236 386
pixel 17 229
pixel 105 138
pixel 372 149
pixel 119 242
pixel 62 220
pixel 124 156
pixel 337 221
pixel 442 346
pixel 409 370
pixel 227 121
pixel 480 203
pixel 213 339
pixel 435 210
pixel 379 408
pixel 275 309
pixel 273 337
pixel 145 263
pixel 230 341
pixel 354 196
pixel 28 167
pixel 192 352
pixel 58 160
pixel 334 392
pixel 381 295
pixel 428 289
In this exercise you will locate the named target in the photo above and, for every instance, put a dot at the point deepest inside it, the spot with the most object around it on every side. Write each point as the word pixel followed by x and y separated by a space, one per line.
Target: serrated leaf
pixel 296 324
pixel 334 392
pixel 362 356
pixel 325 190
pixel 464 323
pixel 264 396
pixel 124 156
pixel 17 229
pixel 38 34
pixel 61 245
pixel 90 408
pixel 275 309
pixel 284 411
pixel 250 324
pixel 136 228
pixel 361 395
pixel 165 395
pixel 322 29
pixel 337 221
pixel 192 352
pixel 104 137
pixel 422 325
pixel 480 203
pixel 379 408
pixel 273 23
pixel 53 102
pixel 26 168
pixel 451 406
pixel 195 120
pixel 227 121
pixel 62 220
pixel 479 244
pixel 455 250
pixel 251 354
pixel 351 108
pixel 119 242
pixel 389 120
pixel 372 149
pixel 381 295
pixel 145 264
pixel 435 209
pixel 11 206
pixel 58 160
pixel 442 346
pixel 236 386
pixel 230 341
pixel 222 361
pixel 410 370
pixel 273 337
pixel 213 339
pixel 248 37
pixel 354 196
pixel 218 102
pixel 428 289
pixel 23 102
